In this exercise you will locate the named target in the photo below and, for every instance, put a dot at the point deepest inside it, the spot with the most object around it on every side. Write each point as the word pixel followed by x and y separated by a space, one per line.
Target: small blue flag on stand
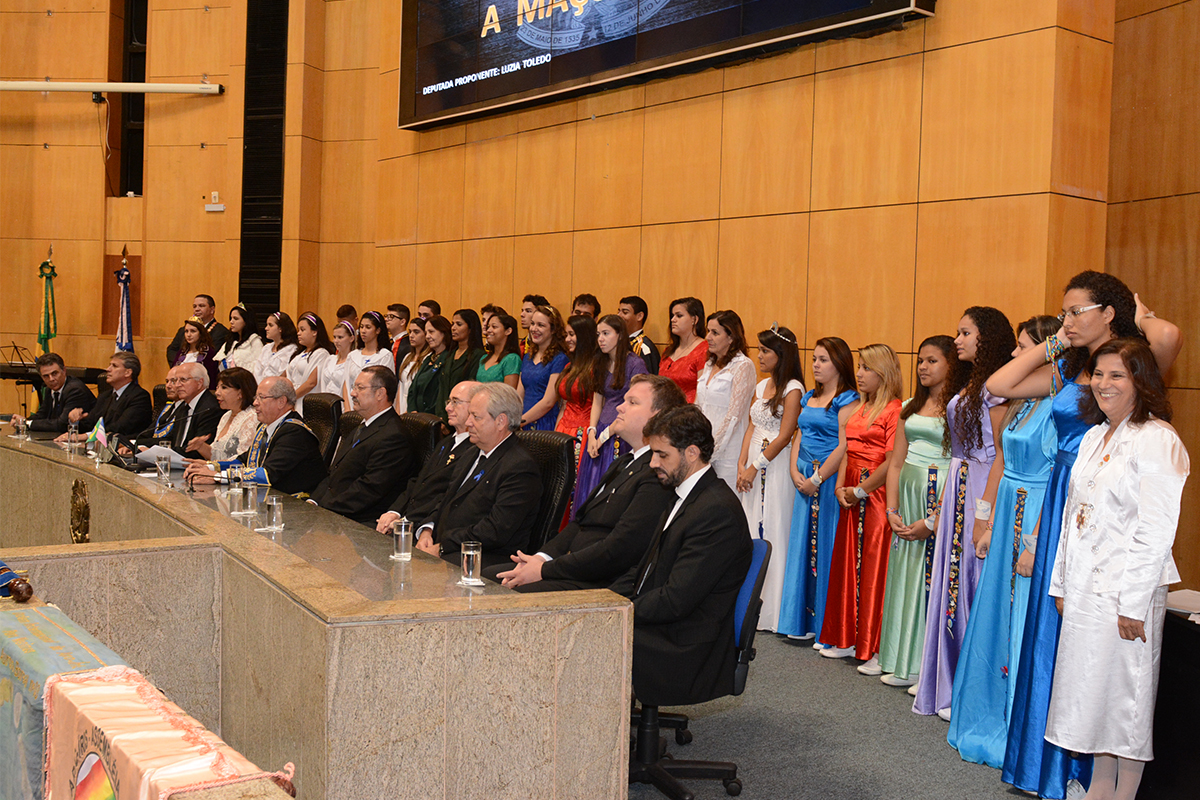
pixel 124 317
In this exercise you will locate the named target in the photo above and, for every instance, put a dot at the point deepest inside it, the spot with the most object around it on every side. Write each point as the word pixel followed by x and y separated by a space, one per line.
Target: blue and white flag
pixel 124 316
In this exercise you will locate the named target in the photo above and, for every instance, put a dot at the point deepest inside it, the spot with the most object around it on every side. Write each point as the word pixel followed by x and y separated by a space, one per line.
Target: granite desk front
pixel 378 679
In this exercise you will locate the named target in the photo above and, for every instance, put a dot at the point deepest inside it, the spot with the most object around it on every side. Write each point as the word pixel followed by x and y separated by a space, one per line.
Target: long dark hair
pixel 992 351
pixel 382 340
pixel 1107 290
pixel 619 355
pixel 782 342
pixel 474 328
pixel 732 323
pixel 842 360
pixel 512 342
pixel 694 308
pixel 581 372
pixel 204 343
pixel 955 378
pixel 249 323
pixel 287 331
pixel 323 341
pixel 1149 391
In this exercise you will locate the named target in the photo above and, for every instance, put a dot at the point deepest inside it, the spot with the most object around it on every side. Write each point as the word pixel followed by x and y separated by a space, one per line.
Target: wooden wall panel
pixel 547 116
pixel 545 179
pixel 395 276
pixel 778 67
pixel 306 34
pixel 439 274
pixel 487 273
pixel 542 264
pixel 766 148
pixel 1088 17
pixel 352 34
pixel 681 169
pixel 348 274
pixel 838 53
pixel 179 182
pixel 607 263
pixel 78 264
pixel 440 180
pixel 189 43
pixel 861 275
pixel 490 188
pixel 684 87
pixel 1076 243
pixel 1082 112
pixel 678 260
pixel 167 299
pixel 1186 403
pixel 867 135
pixel 302 188
pixel 62 47
pixel 351 98
pixel 125 223
pixel 52 193
pixel 760 258
pixel 614 101
pixel 176 119
pixel 396 211
pixel 608 171
pixel 306 94
pixel 349 190
pixel 975 20
pixel 1125 9
pixel 59 118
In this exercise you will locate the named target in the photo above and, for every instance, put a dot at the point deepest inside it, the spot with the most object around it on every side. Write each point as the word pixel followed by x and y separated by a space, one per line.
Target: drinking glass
pixel 20 426
pixel 471 553
pixel 274 513
pixel 72 435
pixel 249 493
pixel 163 464
pixel 402 540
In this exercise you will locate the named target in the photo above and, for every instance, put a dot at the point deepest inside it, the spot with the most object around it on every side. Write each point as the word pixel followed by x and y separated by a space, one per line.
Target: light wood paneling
pixel 608 171
pixel 306 33
pixel 867 135
pixel 235 101
pixel 439 274
pixel 392 140
pixel 1076 243
pixel 33 118
pixel 348 273
pixel 548 115
pixel 301 188
pixel 125 223
pixel 179 182
pixel 1082 112
pixel 681 169
pixel 762 271
pixel 440 181
pixel 1156 119
pixel 684 87
pixel 542 265
pixel 778 67
pixel 545 179
pixel 1091 18
pixel 188 43
pixel 396 276
pixel 174 273
pixel 677 260
pixel 351 104
pixel 861 275
pixel 63 47
pixel 975 20
pixel 79 266
pixel 390 20
pixel 838 53
pixel 66 6
pixel 305 109
pixel 986 119
pixel 487 273
pixel 182 119
pixel 1154 246
pixel 349 189
pixel 613 101
pixel 438 138
pixel 352 34
pixel 491 128
pixel 490 188
pixel 607 263
pixel 766 148
pixel 988 252
pixel 1134 8
pixel 396 214
pixel 300 284
pixel 52 193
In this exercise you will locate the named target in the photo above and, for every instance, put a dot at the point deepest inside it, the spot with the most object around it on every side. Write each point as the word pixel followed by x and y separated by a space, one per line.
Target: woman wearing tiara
pixel 198 347
pixel 243 344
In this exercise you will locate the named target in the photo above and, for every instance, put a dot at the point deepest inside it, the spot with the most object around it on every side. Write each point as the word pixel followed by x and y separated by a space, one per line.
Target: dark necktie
pixel 54 399
pixel 180 424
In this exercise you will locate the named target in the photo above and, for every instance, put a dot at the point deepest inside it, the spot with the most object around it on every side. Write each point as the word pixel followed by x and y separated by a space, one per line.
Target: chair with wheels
pixel 424 431
pixel 322 411
pixel 554 453
pixel 649 761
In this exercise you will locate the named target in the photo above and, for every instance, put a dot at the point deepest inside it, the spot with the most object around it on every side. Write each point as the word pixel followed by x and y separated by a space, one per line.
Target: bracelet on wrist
pixel 816 479
pixel 930 523
pixel 895 511
pixel 860 493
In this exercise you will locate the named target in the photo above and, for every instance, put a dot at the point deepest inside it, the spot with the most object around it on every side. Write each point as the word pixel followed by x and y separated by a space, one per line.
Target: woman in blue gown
pixel 1096 307
pixel 815 511
pixel 543 362
pixel 987 668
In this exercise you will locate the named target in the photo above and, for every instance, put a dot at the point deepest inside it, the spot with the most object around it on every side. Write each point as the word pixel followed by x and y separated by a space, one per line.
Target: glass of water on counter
pixel 471 555
pixel 402 540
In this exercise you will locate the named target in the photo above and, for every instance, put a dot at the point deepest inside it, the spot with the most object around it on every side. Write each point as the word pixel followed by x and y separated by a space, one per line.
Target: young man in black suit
pixel 685 588
pixel 126 407
pixel 613 525
pixel 421 498
pixel 634 311
pixel 374 462
pixel 63 395
pixel 494 499
pixel 204 307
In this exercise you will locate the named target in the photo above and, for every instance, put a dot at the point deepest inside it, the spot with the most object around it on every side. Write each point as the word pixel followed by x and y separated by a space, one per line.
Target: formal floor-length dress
pixel 955 567
pixel 302 366
pixel 725 395
pixel 858 571
pixel 685 370
pixel 1114 558
pixel 574 420
pixel 987 666
pixel 1030 762
pixel 768 504
pixel 535 378
pixel 814 521
pixel 591 470
pixel 910 564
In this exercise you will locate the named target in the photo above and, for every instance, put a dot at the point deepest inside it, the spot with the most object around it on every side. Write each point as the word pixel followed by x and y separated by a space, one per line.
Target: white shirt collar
pixel 274 426
pixel 502 441
pixel 192 403
pixel 375 416
pixel 685 488
pixel 459 438
pixel 641 450
pixel 636 333
pixel 118 392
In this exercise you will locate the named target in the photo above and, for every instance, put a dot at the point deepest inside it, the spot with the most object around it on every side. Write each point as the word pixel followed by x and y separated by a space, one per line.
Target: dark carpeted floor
pixel 812 727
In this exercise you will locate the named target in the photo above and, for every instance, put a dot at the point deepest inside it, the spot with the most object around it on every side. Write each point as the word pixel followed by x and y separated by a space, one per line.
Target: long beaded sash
pixel 956 545
pixel 164 428
pixel 814 513
pixel 256 448
pixel 1018 525
pixel 762 494
pixel 932 503
pixel 864 473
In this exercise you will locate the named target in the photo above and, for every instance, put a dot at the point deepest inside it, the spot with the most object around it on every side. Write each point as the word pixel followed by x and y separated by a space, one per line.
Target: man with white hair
pixel 196 411
pixel 492 499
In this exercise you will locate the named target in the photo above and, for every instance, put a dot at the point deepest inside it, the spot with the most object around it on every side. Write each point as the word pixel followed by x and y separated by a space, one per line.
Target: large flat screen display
pixel 461 57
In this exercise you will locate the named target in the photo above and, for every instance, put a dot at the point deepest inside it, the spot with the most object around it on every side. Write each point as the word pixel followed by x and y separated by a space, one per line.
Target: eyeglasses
pixel 1075 312
pixel 454 402
pixel 261 397
pixel 392 316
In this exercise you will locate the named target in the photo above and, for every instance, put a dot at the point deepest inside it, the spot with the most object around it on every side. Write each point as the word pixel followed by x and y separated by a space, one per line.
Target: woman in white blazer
pixel 1113 566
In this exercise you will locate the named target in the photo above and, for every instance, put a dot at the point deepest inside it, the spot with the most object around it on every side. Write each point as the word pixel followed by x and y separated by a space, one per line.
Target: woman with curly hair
pixel 985 340
pixel 545 359
pixel 1096 307
pixel 916 478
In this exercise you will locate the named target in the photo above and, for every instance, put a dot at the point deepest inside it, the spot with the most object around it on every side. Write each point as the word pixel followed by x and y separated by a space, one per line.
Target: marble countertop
pixel 337 568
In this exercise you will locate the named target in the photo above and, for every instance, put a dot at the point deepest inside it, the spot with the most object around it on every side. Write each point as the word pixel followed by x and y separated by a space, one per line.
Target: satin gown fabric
pixel 1114 558
pixel 904 600
pixel 573 421
pixel 858 571
pixel 955 568
pixel 591 470
pixel 806 573
pixel 1030 762
pixel 987 667
pixel 535 378
pixel 685 369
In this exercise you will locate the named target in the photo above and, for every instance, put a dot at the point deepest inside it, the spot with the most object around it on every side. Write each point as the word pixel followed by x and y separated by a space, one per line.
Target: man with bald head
pixel 285 453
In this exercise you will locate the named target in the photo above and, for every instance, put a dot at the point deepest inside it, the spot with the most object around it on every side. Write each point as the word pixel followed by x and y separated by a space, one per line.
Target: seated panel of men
pixel 161 426
pixel 125 407
pixel 63 394
pixel 375 460
pixel 613 525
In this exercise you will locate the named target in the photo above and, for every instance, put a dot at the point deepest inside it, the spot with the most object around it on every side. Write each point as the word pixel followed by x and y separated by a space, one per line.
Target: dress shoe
pixel 944 713
pixel 892 680
pixel 870 667
pixel 913 690
pixel 803 638
pixel 818 646
pixel 837 652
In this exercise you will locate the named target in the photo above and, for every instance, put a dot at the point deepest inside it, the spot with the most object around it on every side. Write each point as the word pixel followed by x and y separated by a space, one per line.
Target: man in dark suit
pixel 285 453
pixel 613 525
pixel 685 588
pixel 204 307
pixel 494 498
pixel 63 394
pixel 421 498
pixel 162 425
pixel 193 415
pixel 126 407
pixel 374 462
pixel 634 311
pixel 396 320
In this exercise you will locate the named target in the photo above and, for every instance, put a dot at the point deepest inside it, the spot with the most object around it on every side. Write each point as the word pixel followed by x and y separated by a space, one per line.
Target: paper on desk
pixel 149 455
pixel 1186 600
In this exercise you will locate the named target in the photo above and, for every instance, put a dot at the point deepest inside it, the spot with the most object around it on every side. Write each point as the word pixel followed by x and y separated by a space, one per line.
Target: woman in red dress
pixel 687 353
pixel 576 387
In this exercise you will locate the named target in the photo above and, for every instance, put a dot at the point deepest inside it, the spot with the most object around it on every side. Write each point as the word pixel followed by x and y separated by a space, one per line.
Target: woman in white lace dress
pixel 235 392
pixel 725 389
pixel 764 477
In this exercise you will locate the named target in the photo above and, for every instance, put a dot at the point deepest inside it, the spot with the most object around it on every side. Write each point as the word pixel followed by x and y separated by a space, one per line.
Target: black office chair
pixel 554 453
pixel 159 396
pixel 649 762
pixel 322 412
pixel 424 431
pixel 346 425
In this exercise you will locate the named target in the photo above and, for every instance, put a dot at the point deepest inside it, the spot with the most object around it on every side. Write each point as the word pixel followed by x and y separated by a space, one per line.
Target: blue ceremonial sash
pixel 164 428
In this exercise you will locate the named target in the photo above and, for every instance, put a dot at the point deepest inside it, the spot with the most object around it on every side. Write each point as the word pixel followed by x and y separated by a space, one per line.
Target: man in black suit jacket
pixel 493 499
pixel 685 588
pixel 126 407
pixel 161 426
pixel 421 498
pixel 613 525
pixel 205 308
pixel 63 394
pixel 374 462
pixel 285 453
pixel 192 416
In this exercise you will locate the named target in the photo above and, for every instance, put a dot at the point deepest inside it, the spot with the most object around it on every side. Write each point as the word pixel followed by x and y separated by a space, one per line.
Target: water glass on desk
pixel 162 464
pixel 249 493
pixel 471 554
pixel 72 436
pixel 274 513
pixel 402 540
pixel 234 476
pixel 20 427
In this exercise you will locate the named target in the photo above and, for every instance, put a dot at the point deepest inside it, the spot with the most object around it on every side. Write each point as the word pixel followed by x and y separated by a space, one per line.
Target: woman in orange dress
pixel 687 353
pixel 576 387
